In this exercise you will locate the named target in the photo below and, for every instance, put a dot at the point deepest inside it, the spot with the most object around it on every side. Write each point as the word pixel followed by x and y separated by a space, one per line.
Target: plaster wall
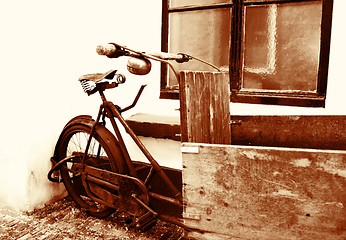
pixel 46 46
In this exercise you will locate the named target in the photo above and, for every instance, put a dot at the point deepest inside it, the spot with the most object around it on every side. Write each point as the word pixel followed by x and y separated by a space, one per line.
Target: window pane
pixel 186 3
pixel 281 46
pixel 203 34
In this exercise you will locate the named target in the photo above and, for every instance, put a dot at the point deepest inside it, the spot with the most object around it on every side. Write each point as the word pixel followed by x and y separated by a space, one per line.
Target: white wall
pixel 45 46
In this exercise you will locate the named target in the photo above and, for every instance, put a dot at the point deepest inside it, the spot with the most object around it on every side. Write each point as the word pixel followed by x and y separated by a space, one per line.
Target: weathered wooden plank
pixel 204 107
pixel 264 193
pixel 317 132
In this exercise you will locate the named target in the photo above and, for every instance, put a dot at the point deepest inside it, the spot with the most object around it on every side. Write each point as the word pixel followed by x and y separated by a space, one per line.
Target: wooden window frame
pixel 316 99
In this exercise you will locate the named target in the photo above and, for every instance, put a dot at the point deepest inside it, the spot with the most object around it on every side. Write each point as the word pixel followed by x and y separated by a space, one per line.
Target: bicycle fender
pixel 83 119
pixel 89 122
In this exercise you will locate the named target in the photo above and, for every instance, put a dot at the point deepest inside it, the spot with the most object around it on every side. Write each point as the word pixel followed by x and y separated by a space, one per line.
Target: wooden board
pixel 298 131
pixel 264 193
pixel 317 132
pixel 204 107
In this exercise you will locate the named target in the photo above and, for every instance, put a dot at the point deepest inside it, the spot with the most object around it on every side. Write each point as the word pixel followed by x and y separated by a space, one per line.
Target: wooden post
pixel 204 107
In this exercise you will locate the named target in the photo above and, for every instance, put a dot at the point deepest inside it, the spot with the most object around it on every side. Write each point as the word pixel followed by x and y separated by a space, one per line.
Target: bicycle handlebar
pixel 113 50
pixel 168 56
pixel 106 49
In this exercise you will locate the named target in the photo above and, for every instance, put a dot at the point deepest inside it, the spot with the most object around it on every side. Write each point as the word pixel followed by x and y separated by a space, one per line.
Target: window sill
pixel 279 99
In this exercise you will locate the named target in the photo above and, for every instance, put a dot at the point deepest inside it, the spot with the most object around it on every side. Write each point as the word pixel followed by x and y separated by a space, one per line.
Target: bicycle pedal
pixel 148 225
pixel 146 221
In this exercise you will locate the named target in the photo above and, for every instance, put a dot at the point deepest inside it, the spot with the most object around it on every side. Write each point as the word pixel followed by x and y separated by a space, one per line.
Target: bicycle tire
pixel 73 140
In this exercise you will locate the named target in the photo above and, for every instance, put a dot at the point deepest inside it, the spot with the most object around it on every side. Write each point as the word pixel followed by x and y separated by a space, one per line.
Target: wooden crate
pixel 252 192
pixel 277 191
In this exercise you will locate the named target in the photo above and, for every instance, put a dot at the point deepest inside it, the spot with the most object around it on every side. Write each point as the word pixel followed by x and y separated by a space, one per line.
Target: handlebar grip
pixel 167 56
pixel 113 50
pixel 106 49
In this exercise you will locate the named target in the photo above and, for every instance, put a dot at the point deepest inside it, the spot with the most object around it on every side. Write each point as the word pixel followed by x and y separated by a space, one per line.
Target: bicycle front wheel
pixel 103 153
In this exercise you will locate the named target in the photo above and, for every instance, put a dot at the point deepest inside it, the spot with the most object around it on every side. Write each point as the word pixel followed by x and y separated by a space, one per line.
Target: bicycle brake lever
pixel 135 100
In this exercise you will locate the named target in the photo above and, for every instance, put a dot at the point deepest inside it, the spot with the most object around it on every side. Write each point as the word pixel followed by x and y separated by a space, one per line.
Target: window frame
pixel 315 99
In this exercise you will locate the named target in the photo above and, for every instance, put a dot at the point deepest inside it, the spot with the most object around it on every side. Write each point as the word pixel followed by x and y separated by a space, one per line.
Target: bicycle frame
pixel 139 185
pixel 113 112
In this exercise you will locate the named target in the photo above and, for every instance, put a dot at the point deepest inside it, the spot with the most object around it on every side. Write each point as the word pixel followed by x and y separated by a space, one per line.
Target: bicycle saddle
pixel 94 82
pixel 96 77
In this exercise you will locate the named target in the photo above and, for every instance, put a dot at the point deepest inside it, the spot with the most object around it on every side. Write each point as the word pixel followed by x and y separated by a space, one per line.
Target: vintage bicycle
pixel 94 164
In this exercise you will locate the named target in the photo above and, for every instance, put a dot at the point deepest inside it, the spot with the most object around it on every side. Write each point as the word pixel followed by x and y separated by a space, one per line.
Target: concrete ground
pixel 62 220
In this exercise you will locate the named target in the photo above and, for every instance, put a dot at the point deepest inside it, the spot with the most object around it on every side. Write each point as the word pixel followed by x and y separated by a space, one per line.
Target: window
pixel 277 51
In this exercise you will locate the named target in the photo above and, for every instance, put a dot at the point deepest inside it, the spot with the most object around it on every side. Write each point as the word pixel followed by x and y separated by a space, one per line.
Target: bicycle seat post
pixel 103 97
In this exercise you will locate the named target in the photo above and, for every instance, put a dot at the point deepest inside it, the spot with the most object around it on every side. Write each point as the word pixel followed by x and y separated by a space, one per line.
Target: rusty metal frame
pixel 113 112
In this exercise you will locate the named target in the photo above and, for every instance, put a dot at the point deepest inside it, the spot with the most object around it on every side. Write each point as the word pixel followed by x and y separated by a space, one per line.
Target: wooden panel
pixel 204 107
pixel 318 132
pixel 264 193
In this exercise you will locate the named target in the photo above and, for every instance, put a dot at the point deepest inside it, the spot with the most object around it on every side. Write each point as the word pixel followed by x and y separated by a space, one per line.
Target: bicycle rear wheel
pixel 103 153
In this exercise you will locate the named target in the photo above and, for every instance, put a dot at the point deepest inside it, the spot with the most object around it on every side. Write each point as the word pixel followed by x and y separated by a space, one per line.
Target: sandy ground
pixel 62 220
